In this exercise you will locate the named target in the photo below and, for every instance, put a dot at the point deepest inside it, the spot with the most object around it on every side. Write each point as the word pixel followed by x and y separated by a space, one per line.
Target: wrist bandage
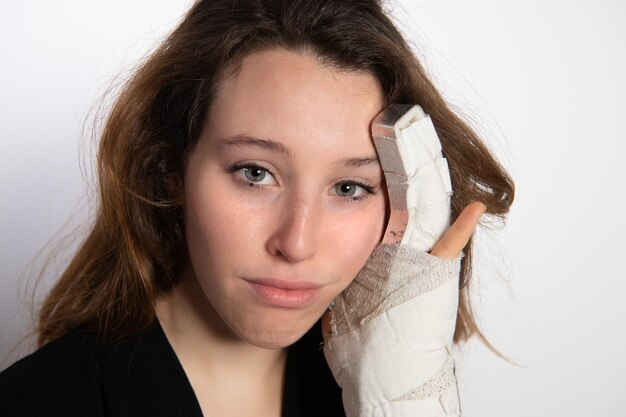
pixel 392 327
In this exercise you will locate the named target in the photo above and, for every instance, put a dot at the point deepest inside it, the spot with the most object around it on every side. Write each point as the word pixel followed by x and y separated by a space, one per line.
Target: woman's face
pixel 284 195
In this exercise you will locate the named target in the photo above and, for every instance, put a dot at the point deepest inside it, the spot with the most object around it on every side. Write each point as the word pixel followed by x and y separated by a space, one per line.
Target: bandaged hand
pixel 391 331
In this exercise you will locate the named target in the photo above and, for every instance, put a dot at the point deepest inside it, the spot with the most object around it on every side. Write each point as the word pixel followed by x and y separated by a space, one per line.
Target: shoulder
pixel 77 375
pixel 43 382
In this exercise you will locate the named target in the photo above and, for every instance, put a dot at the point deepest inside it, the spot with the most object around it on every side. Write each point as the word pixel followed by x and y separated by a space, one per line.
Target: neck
pixel 210 353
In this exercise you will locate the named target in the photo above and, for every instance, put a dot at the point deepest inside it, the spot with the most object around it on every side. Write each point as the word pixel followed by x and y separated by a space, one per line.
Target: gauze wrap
pixel 392 327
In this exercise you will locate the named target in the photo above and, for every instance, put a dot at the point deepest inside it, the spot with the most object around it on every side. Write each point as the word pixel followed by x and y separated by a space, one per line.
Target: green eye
pixel 251 174
pixel 255 174
pixel 346 189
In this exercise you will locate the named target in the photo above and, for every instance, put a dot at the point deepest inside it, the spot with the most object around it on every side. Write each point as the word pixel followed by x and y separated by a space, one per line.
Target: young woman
pixel 240 194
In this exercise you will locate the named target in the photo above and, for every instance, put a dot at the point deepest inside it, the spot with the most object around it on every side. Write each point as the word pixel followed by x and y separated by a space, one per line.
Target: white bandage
pixel 392 328
pixel 429 190
pixel 416 172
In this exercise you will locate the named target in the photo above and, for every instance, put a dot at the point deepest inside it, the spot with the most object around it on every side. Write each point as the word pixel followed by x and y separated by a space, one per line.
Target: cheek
pixel 218 229
pixel 353 238
pixel 208 227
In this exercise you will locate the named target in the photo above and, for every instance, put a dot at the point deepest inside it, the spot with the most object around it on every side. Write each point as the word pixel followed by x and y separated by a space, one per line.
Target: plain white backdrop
pixel 542 81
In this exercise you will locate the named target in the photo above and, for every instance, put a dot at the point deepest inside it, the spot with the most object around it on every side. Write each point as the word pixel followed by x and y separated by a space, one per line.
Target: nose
pixel 295 236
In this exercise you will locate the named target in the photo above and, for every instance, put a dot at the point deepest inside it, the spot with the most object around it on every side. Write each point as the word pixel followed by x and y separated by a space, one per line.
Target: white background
pixel 543 82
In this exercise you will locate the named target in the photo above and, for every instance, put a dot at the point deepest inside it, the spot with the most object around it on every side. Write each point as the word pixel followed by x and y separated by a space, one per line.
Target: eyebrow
pixel 247 141
pixel 369 161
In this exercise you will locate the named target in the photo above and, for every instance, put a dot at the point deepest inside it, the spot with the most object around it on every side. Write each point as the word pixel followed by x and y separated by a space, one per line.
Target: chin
pixel 272 344
pixel 272 337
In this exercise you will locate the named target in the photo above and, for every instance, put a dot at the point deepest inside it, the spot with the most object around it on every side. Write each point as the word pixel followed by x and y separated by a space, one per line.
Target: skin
pixel 294 221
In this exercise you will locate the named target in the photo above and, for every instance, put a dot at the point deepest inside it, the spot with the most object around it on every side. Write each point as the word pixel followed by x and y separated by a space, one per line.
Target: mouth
pixel 282 293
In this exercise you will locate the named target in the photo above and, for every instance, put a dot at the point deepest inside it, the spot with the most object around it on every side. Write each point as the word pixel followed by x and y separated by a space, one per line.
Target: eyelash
pixel 369 190
pixel 239 166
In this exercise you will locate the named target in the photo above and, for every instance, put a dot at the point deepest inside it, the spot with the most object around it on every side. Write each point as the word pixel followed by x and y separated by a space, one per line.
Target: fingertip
pixel 480 207
pixel 478 210
pixel 473 212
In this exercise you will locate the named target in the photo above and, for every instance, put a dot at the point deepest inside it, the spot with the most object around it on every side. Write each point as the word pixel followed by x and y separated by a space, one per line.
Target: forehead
pixel 292 98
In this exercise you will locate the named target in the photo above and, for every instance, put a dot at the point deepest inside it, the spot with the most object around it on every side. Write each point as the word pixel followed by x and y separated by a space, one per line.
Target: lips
pixel 283 293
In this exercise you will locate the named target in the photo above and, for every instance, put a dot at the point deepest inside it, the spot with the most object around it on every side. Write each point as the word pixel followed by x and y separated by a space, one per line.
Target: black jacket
pixel 141 376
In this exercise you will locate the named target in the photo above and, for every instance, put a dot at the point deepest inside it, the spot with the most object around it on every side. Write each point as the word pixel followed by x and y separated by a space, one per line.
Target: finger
pixel 455 239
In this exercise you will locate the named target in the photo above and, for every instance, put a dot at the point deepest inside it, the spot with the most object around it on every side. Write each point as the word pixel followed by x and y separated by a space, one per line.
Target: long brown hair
pixel 132 252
